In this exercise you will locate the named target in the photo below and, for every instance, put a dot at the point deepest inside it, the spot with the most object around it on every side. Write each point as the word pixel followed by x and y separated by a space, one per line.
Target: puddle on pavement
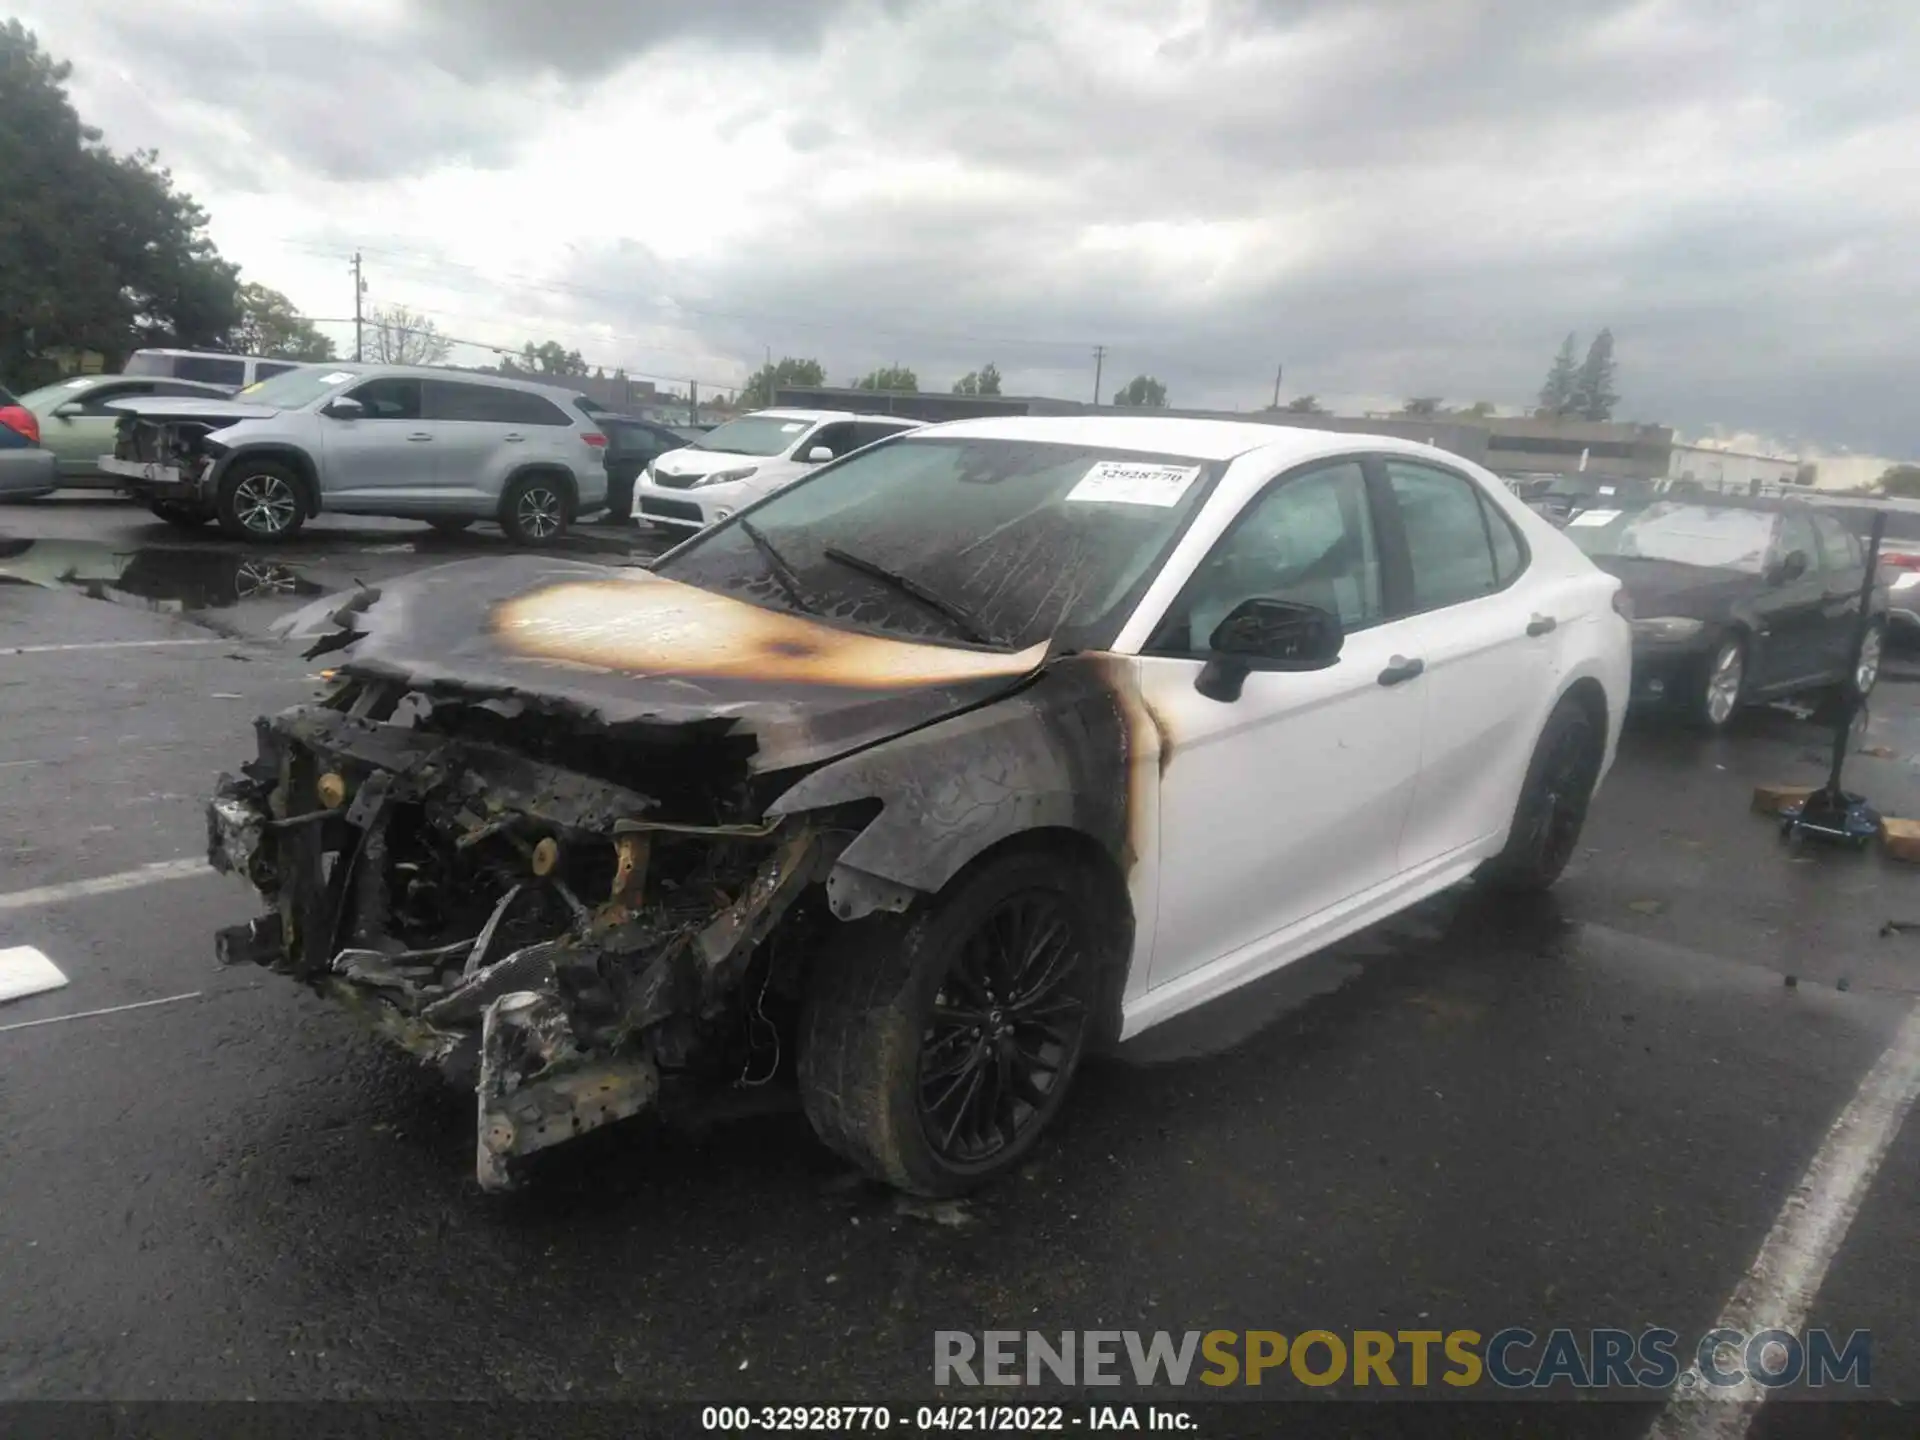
pixel 151 578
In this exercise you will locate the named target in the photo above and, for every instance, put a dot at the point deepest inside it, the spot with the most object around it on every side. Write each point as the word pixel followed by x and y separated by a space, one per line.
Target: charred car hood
pixel 191 407
pixel 626 648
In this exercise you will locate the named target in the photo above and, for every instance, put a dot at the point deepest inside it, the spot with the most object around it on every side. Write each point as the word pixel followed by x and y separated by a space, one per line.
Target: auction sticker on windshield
pixel 1595 517
pixel 1116 482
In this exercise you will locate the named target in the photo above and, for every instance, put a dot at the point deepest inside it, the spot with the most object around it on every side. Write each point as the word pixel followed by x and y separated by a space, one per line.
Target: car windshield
pixel 1030 541
pixel 754 435
pixel 1713 536
pixel 295 388
pixel 61 390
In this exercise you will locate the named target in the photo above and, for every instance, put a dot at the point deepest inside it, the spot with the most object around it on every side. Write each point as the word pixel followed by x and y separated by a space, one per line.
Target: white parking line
pixel 110 645
pixel 1779 1287
pixel 103 884
pixel 110 1010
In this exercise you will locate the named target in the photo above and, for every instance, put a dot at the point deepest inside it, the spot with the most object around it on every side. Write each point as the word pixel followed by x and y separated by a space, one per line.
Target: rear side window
pixel 1509 558
pixel 268 368
pixel 450 400
pixel 1449 542
pixel 870 431
pixel 213 369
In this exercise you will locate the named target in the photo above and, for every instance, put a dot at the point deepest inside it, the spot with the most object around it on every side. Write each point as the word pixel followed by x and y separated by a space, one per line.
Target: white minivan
pixel 735 464
pixel 210 367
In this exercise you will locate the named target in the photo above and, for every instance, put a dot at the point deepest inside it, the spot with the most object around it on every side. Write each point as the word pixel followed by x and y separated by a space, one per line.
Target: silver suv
pixel 447 447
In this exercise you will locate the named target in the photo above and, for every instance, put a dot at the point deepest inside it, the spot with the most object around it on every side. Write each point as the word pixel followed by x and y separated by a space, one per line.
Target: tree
pixel 396 335
pixel 1556 395
pixel 767 380
pixel 97 251
pixel 889 377
pixel 1593 393
pixel 1806 474
pixel 1305 405
pixel 270 326
pixel 548 358
pixel 1479 410
pixel 1143 391
pixel 1422 405
pixel 1902 481
pixel 984 381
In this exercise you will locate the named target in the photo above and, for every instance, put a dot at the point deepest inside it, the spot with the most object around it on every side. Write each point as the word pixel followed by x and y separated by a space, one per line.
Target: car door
pixel 383 457
pixel 472 428
pixel 1792 610
pixel 1282 804
pixel 1485 645
pixel 1843 566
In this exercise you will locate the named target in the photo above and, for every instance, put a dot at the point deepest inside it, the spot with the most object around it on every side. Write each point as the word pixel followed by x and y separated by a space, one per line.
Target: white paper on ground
pixel 1117 482
pixel 1595 517
pixel 25 971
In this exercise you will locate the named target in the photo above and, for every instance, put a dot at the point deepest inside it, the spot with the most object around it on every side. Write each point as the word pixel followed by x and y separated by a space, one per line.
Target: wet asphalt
pixel 1587 1112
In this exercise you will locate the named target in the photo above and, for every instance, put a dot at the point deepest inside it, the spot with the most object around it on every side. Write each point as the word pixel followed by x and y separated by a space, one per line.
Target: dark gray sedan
pixel 26 469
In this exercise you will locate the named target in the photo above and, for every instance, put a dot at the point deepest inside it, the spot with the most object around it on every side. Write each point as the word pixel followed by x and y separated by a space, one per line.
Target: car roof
pixel 1191 438
pixel 370 370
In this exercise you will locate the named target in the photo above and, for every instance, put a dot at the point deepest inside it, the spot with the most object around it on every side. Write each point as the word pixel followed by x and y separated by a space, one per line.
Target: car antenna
pixel 1832 813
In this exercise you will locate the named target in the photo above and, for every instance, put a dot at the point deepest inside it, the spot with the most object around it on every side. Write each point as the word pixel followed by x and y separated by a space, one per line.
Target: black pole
pixel 1862 623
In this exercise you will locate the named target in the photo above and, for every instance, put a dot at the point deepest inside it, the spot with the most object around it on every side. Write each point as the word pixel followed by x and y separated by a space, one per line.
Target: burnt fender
pixel 1058 753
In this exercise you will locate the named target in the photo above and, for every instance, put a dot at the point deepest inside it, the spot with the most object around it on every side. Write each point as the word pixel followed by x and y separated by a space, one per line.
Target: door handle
pixel 1541 624
pixel 513 437
pixel 419 435
pixel 1400 669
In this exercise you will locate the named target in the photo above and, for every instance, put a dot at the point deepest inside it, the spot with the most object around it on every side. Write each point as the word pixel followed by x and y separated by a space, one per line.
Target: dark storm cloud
pixel 586 39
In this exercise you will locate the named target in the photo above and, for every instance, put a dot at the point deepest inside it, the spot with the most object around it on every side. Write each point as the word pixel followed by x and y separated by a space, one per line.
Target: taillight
pixel 21 421
pixel 1901 560
pixel 598 442
pixel 1623 603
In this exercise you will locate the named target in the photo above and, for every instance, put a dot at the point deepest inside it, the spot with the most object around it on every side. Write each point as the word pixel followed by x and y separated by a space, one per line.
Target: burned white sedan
pixel 911 783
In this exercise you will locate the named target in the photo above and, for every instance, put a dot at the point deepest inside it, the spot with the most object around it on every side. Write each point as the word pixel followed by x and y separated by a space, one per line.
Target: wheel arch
pixel 305 473
pixel 550 469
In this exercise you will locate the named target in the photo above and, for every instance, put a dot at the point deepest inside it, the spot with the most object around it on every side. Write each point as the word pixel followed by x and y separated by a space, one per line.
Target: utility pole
pixel 359 289
pixel 1099 360
pixel 693 402
pixel 1278 370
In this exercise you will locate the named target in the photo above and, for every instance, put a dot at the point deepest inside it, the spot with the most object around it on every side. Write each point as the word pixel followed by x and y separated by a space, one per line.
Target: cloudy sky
pixel 1399 198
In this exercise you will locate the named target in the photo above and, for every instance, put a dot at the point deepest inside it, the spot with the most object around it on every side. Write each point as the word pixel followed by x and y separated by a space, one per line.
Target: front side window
pixel 389 399
pixel 1837 547
pixel 1308 538
pixel 1796 533
pixel 1449 543
pixel 1029 541
pixel 95 402
pixel 837 437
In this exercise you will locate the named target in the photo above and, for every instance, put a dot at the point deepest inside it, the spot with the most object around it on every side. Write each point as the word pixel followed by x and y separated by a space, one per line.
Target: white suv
pixel 737 463
pixel 444 446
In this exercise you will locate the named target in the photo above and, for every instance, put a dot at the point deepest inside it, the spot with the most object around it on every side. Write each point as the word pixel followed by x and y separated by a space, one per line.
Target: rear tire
pixel 936 1046
pixel 536 509
pixel 260 500
pixel 1553 802
pixel 182 516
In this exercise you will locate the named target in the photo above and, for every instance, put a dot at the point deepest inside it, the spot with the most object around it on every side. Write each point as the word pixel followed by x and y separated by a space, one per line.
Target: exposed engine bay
pixel 183 448
pixel 558 939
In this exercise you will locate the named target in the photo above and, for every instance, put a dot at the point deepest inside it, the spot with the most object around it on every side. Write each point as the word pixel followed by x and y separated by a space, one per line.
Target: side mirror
pixel 1267 634
pixel 344 407
pixel 67 410
pixel 1791 567
pixel 819 453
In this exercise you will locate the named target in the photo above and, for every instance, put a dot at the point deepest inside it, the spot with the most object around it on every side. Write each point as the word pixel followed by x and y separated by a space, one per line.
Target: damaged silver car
pixel 917 780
